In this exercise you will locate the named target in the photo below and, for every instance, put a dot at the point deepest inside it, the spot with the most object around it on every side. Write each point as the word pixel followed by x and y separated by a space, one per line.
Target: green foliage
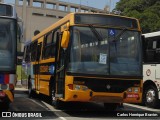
pixel 19 72
pixel 147 11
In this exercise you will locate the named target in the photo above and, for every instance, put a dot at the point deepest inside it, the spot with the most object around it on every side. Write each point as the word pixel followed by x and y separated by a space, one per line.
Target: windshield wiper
pixel 95 32
pixel 120 34
pixel 117 37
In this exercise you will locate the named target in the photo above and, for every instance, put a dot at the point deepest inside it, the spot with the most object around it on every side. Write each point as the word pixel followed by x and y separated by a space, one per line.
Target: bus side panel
pixel 44 84
pixel 151 72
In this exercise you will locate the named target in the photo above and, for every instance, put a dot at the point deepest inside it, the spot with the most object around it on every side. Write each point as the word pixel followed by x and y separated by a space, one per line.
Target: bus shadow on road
pixel 81 109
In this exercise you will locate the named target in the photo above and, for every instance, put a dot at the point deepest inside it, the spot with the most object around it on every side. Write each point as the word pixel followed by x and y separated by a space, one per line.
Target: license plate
pixel 132 96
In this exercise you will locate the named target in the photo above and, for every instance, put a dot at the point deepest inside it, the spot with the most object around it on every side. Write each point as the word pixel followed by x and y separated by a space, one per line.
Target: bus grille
pixel 107 85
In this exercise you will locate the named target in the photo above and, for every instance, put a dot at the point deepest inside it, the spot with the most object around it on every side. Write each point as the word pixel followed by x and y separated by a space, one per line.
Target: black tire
pixel 31 93
pixel 57 104
pixel 4 107
pixel 54 101
pixel 52 95
pixel 51 90
pixel 151 97
pixel 110 106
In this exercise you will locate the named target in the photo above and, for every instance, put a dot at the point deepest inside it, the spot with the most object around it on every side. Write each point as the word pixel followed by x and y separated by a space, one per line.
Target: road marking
pixel 49 108
pixel 37 103
pixel 55 110
pixel 143 107
pixel 20 95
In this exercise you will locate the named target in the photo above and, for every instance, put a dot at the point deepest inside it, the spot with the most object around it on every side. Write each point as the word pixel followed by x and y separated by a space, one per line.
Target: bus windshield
pixel 116 53
pixel 7 44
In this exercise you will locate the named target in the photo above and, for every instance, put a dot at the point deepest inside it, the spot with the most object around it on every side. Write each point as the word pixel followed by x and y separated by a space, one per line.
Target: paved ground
pixel 70 111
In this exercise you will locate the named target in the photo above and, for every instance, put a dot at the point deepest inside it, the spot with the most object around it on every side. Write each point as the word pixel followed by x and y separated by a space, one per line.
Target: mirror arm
pixel 60 69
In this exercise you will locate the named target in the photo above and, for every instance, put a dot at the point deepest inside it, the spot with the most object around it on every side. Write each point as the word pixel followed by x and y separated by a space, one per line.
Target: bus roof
pixel 68 18
pixel 152 34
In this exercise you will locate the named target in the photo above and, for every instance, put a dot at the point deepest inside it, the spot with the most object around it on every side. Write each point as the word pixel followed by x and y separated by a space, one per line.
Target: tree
pixel 147 11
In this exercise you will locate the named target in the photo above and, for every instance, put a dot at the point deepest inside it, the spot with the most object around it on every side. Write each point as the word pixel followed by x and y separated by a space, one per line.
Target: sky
pixel 92 3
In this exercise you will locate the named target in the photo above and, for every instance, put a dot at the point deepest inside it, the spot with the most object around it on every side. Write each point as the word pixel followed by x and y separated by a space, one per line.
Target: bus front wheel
pixel 110 106
pixel 57 103
pixel 151 97
pixel 54 101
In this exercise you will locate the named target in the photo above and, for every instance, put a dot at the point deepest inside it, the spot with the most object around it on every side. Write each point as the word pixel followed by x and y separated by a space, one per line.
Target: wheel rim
pixel 150 96
pixel 53 95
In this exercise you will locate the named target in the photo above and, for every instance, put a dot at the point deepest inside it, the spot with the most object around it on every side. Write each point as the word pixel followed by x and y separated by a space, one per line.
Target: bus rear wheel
pixel 31 93
pixel 110 106
pixel 151 97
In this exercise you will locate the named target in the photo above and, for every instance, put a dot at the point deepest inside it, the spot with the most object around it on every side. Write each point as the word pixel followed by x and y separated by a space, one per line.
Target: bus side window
pixel 158 43
pixel 27 53
pixel 150 52
pixel 153 50
pixel 33 51
pixel 47 42
pixel 49 45
pixel 158 50
pixel 53 48
pixel 24 53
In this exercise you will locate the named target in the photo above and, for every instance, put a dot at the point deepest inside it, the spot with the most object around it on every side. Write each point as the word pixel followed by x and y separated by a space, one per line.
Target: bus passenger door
pixel 60 72
pixel 38 66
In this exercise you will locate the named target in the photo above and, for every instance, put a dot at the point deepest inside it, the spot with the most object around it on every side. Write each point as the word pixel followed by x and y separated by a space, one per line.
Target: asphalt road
pixel 39 108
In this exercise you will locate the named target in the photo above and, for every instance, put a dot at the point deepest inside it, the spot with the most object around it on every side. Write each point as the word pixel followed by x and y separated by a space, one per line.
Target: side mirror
pixel 20 29
pixel 65 39
pixel 19 36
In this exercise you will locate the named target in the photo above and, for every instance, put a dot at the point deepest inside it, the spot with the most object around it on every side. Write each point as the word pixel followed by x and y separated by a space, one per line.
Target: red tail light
pixel 70 86
pixel 11 86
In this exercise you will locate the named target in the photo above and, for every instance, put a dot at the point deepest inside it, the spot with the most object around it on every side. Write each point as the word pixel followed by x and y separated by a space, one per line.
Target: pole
pixel 109 6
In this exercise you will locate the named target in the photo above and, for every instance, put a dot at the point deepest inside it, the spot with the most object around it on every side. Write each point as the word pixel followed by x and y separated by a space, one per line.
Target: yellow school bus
pixel 87 57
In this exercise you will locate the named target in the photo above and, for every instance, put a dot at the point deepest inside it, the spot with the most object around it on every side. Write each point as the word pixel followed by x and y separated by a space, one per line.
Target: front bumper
pixel 89 95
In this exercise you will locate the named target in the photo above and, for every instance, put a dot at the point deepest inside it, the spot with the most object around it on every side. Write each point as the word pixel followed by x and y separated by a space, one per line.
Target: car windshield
pixel 7 44
pixel 115 52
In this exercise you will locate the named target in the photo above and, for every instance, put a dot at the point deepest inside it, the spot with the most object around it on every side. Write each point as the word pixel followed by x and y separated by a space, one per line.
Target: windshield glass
pixel 7 44
pixel 110 55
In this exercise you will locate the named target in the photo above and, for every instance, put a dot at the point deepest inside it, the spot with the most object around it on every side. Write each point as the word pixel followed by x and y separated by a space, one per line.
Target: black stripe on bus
pixel 105 76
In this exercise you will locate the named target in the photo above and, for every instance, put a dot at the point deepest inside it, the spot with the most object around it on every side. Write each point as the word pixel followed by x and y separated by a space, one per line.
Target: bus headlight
pixel 84 88
pixel 135 90
pixel 129 89
pixel 77 87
